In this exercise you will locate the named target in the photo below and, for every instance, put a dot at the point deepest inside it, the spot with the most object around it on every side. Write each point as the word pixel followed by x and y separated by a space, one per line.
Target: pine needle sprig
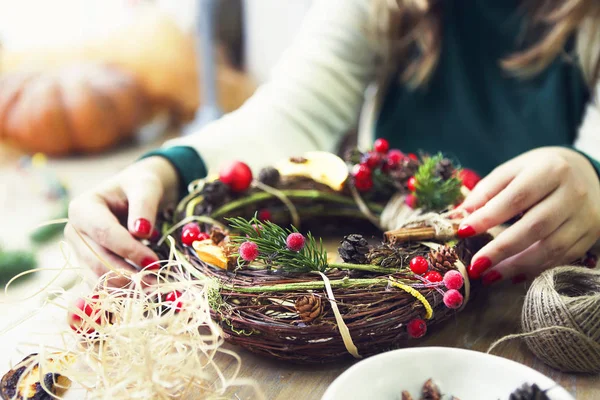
pixel 273 252
pixel 434 193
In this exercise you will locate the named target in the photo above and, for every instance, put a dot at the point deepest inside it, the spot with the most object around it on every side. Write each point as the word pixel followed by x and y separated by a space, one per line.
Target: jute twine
pixel 561 319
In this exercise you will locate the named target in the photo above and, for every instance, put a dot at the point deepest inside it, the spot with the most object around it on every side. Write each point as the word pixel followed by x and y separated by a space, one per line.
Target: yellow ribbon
pixel 415 293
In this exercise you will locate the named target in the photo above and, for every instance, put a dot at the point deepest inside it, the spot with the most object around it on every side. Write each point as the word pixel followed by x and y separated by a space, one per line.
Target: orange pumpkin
pixel 80 108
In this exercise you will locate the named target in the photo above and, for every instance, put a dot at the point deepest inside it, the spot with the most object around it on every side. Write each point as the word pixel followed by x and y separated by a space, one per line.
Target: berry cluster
pixel 249 250
pixel 452 280
pixel 379 160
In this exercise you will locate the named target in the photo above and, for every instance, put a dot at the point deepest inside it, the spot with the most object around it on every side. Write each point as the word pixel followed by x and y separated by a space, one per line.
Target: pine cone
pixel 354 249
pixel 529 392
pixel 215 193
pixel 309 307
pixel 385 256
pixel 443 258
pixel 444 169
pixel 269 176
pixel 430 391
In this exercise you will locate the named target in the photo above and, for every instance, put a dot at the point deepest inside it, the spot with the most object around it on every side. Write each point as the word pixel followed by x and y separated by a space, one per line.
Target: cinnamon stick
pixel 414 234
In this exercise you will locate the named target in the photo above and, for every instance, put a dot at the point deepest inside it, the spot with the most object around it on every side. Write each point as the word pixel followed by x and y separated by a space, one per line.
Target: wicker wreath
pixel 276 290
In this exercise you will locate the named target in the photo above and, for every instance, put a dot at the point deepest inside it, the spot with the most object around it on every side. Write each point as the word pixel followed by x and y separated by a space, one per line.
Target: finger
pixel 97 259
pixel 104 229
pixel 522 192
pixel 490 186
pixel 579 249
pixel 544 254
pixel 537 224
pixel 144 195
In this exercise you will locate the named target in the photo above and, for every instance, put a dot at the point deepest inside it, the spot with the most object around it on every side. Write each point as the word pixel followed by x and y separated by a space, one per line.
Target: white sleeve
pixel 313 99
pixel 588 138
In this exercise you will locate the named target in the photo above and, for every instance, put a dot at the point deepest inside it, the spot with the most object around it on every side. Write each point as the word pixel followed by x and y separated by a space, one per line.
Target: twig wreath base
pixel 304 306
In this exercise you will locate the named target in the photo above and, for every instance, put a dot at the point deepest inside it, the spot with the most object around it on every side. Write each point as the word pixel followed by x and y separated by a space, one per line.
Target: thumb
pixel 144 194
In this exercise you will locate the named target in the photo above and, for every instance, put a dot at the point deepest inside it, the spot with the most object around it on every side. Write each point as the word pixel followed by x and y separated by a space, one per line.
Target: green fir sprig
pixel 434 193
pixel 273 252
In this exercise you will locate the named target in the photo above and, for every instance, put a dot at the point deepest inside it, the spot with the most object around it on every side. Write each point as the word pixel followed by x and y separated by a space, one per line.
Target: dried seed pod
pixel 23 381
pixel 309 307
pixel 431 391
pixel 354 249
pixel 406 395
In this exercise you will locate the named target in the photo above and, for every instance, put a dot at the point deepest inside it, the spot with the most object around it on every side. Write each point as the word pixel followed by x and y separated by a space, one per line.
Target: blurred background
pixel 87 86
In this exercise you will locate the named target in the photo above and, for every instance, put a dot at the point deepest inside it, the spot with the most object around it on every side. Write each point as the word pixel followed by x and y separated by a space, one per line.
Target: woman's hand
pixel 558 192
pixel 113 215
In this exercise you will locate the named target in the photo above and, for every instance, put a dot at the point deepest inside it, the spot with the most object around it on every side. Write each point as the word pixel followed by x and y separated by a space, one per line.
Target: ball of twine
pixel 561 319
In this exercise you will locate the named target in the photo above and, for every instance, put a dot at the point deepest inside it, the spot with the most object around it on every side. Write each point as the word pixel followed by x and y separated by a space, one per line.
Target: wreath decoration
pixel 276 291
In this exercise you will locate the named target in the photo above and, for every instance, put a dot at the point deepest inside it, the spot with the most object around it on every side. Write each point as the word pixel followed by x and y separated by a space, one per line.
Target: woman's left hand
pixel 558 192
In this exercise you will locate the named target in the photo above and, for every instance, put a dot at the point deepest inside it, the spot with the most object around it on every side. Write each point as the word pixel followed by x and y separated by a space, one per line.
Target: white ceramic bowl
pixel 466 374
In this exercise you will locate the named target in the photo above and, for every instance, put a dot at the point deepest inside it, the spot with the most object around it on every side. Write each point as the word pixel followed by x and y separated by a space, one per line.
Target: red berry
pixel 413 156
pixel 264 215
pixel 237 175
pixel 416 328
pixel 411 201
pixel 361 172
pixel 469 178
pixel 89 308
pixel 363 185
pixel 249 251
pixel 453 299
pixel 257 228
pixel 295 241
pixel 381 146
pixel 373 159
pixel 190 233
pixel 412 184
pixel 453 279
pixel 173 298
pixel 203 236
pixel 394 157
pixel 419 265
pixel 433 276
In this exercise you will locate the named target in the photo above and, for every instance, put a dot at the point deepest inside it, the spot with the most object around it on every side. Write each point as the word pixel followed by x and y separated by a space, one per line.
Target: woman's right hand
pixel 121 210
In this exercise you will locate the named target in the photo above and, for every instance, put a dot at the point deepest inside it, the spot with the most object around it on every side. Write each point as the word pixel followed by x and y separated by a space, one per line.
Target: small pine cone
pixel 529 392
pixel 430 391
pixel 215 193
pixel 444 169
pixel 443 258
pixel 269 176
pixel 309 307
pixel 354 249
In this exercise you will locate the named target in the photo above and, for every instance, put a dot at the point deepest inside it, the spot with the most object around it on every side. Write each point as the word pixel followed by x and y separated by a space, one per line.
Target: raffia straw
pixel 284 199
pixel 142 346
pixel 342 327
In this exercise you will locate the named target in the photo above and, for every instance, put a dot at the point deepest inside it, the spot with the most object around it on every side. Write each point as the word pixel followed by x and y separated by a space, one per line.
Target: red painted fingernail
pixel 142 226
pixel 465 231
pixel 491 277
pixel 479 267
pixel 148 261
pixel 519 278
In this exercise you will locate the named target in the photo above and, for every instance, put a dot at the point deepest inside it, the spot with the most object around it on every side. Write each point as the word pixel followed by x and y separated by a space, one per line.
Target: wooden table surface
pixel 490 316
